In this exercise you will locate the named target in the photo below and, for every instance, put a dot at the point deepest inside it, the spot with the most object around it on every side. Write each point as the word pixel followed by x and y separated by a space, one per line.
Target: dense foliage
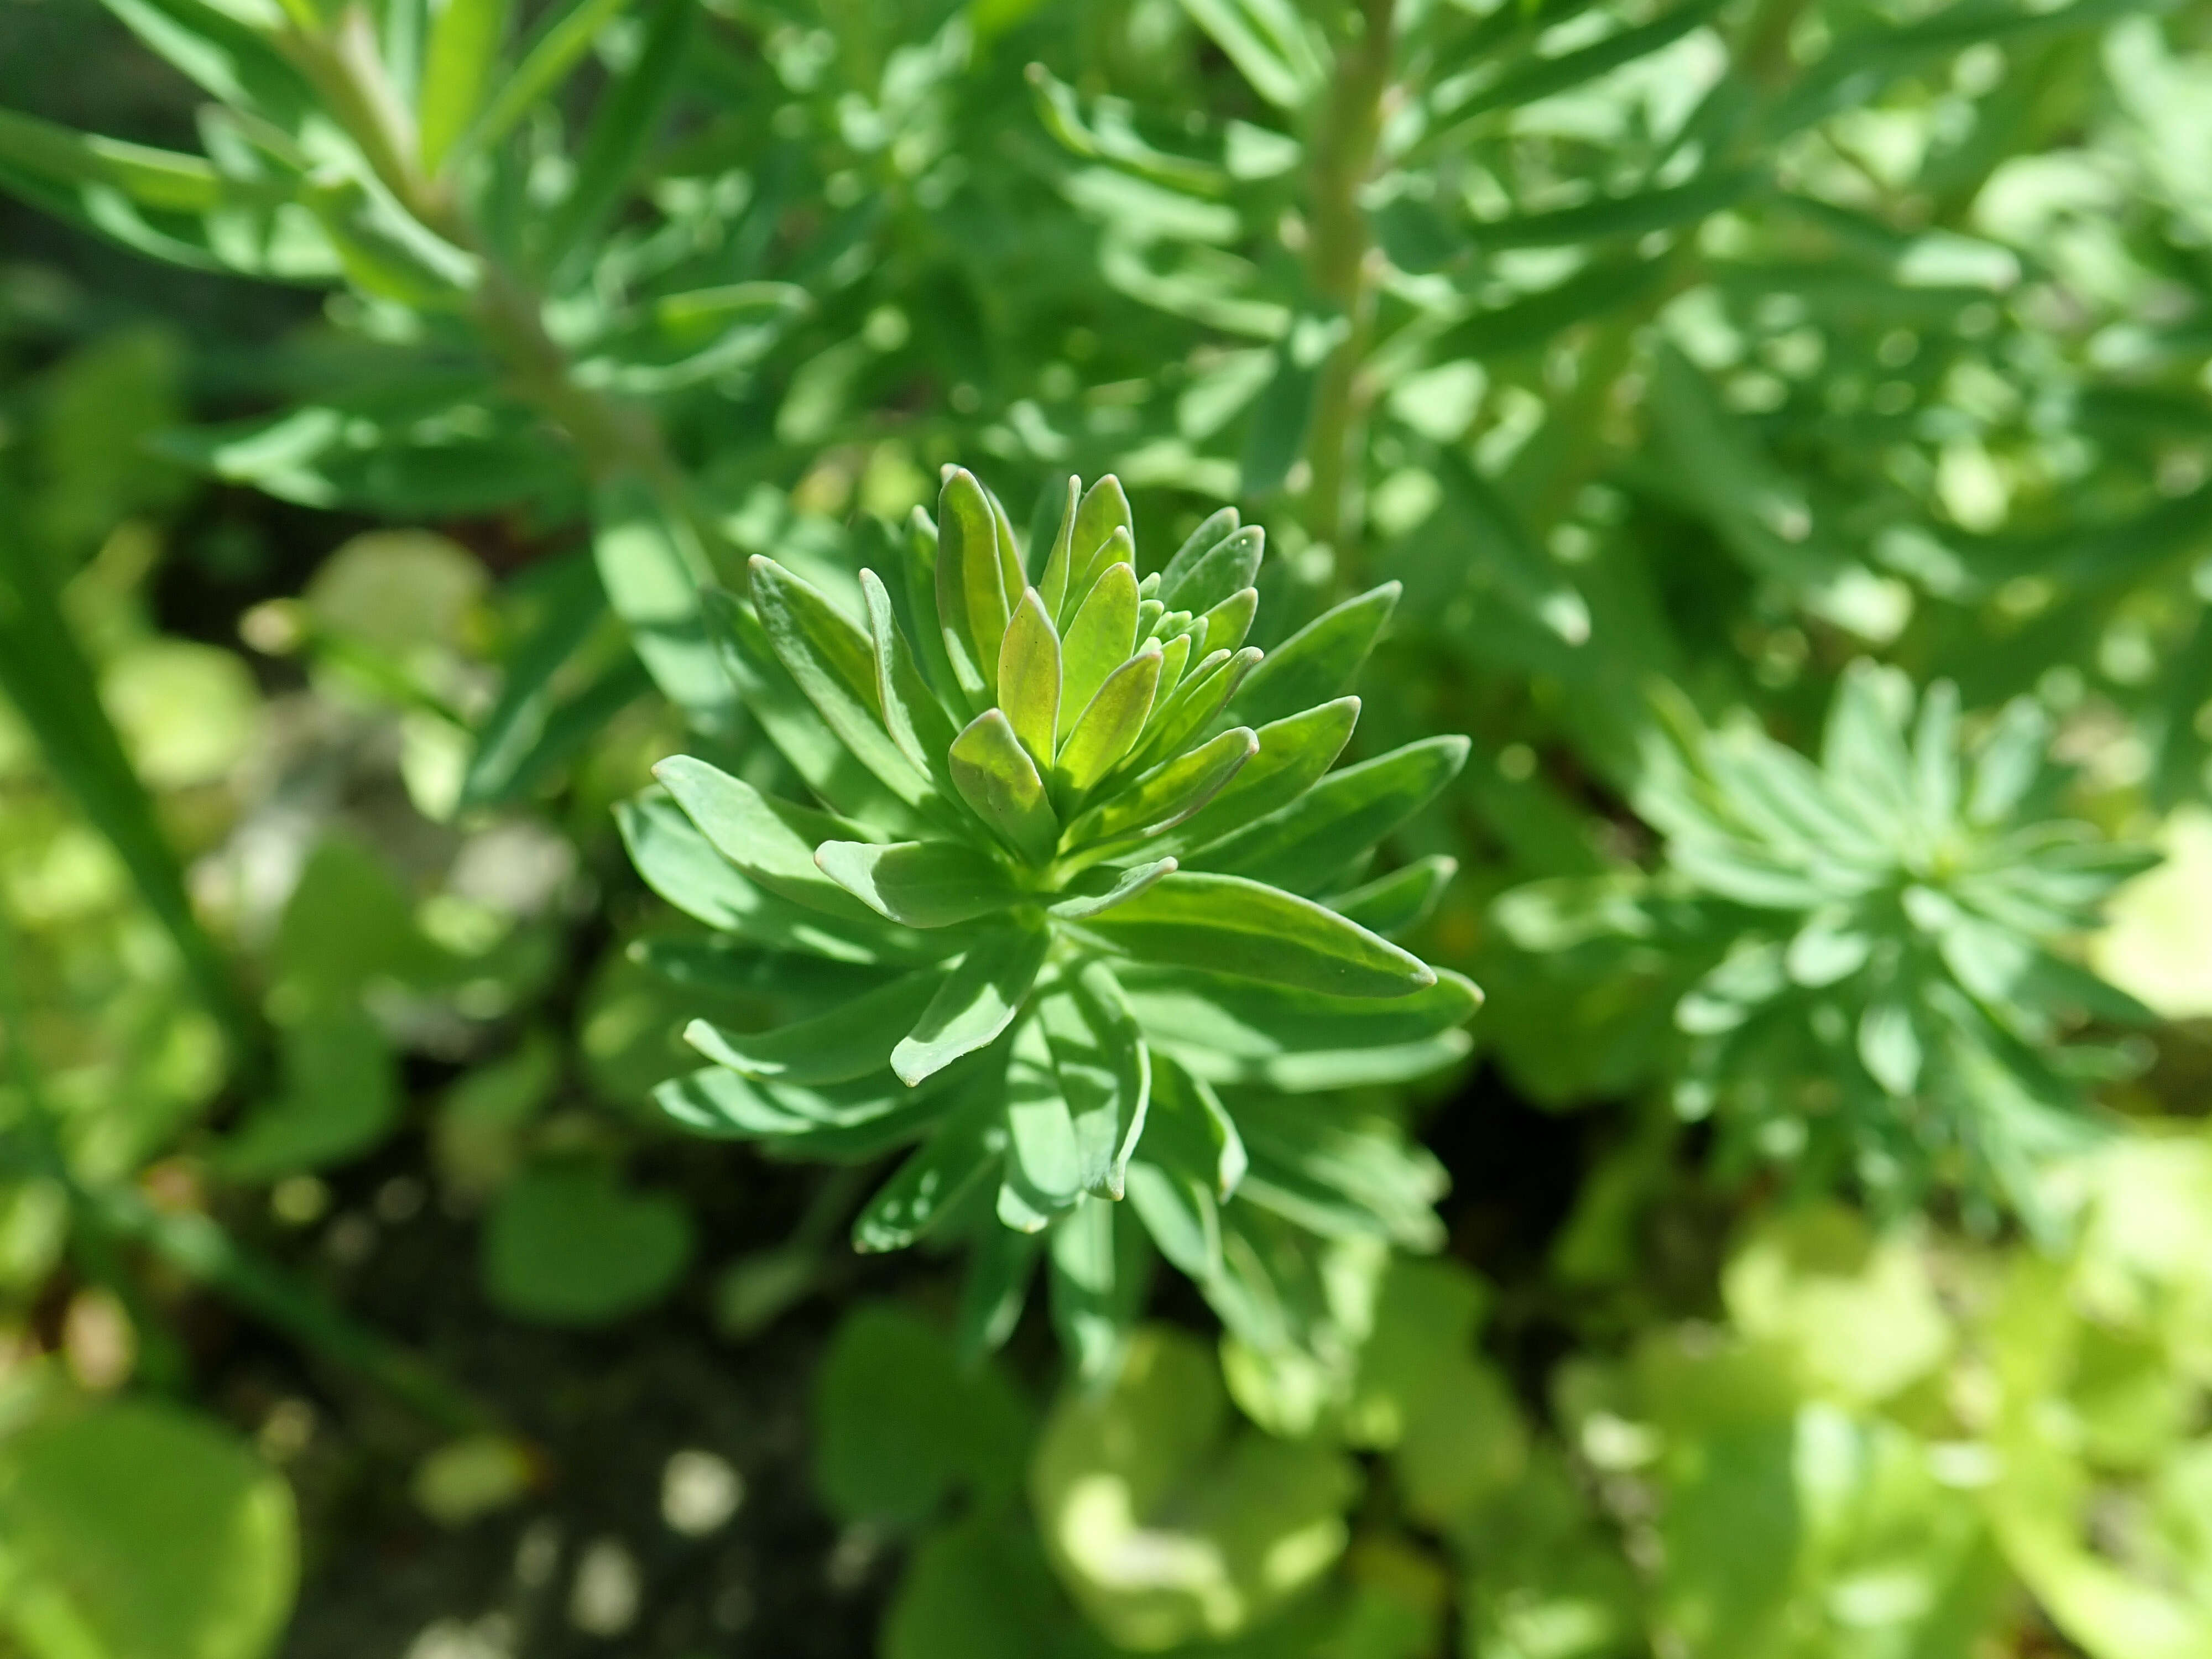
pixel 507 612
pixel 1094 869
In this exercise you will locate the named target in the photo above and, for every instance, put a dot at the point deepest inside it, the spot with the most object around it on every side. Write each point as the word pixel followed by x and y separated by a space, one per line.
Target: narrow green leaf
pixel 996 777
pixel 1215 529
pixel 1403 899
pixel 623 125
pixel 1165 796
pixel 1294 754
pixel 1343 1179
pixel 1098 641
pixel 915 719
pixel 679 863
pixel 1012 579
pixel 964 1153
pixel 1610 217
pixel 1205 668
pixel 1001 1265
pixel 1109 726
pixel 849 1041
pixel 1226 566
pixel 1127 885
pixel 465 42
pixel 1060 561
pixel 1104 510
pixel 1180 1215
pixel 651 566
pixel 723 965
pixel 772 841
pixel 46 674
pixel 793 724
pixel 1114 140
pixel 1227 925
pixel 1029 676
pixel 387 257
pixel 834 663
pixel 2006 762
pixel 236 60
pixel 1187 1129
pixel 571 606
pixel 1175 657
pixel 845 1122
pixel 1240 1032
pixel 1540 77
pixel 406 25
pixel 1105 1074
pixel 1044 1167
pixel 1937 783
pixel 162 203
pixel 1342 816
pixel 541 747
pixel 827 645
pixel 972 602
pixel 1270 46
pixel 1116 550
pixel 1094 1287
pixel 1889 1046
pixel 919 568
pixel 1282 414
pixel 1224 628
pixel 1195 704
pixel 556 48
pixel 1151 613
pixel 921 884
pixel 1863 746
pixel 975 1004
pixel 1317 663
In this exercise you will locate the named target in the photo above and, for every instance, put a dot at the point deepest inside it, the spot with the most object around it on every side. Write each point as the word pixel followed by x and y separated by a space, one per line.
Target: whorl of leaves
pixel 1892 993
pixel 1080 857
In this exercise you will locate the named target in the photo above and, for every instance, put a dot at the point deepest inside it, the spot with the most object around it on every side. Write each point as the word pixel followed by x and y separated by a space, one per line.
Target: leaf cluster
pixel 1895 926
pixel 1083 855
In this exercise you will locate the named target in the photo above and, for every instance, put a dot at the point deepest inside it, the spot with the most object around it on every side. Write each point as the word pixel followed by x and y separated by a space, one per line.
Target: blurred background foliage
pixel 1788 423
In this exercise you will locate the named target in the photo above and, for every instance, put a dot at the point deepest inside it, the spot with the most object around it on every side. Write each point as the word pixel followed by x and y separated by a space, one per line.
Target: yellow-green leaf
pixel 977 1001
pixel 996 777
pixel 921 883
pixel 1030 675
pixel 1109 726
pixel 1098 641
pixel 1245 929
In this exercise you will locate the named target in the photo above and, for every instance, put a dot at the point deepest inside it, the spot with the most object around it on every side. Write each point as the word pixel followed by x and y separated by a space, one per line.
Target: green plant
pixel 1891 992
pixel 1082 853
pixel 1718 346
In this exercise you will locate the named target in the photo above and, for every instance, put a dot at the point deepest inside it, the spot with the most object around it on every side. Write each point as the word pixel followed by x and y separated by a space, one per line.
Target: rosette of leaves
pixel 1078 910
pixel 1892 996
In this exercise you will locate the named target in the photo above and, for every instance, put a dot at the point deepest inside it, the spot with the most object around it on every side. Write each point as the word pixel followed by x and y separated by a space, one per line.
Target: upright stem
pixel 1345 140
pixel 610 436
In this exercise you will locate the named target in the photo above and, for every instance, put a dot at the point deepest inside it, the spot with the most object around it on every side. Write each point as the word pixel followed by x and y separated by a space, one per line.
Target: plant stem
pixel 610 436
pixel 1344 144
